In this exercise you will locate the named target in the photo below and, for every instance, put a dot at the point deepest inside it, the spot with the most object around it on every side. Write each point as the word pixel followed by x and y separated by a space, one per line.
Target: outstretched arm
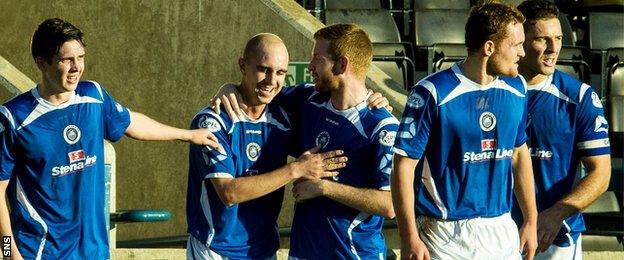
pixel 144 128
pixel 524 189
pixel 367 200
pixel 310 165
pixel 5 220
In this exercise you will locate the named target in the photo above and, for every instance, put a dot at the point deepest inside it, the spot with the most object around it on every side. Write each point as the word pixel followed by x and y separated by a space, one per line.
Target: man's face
pixel 264 74
pixel 63 73
pixel 542 45
pixel 321 67
pixel 507 53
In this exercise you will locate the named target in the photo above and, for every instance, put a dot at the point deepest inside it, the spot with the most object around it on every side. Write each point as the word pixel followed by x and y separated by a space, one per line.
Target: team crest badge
pixel 71 134
pixel 253 151
pixel 601 125
pixel 487 121
pixel 322 139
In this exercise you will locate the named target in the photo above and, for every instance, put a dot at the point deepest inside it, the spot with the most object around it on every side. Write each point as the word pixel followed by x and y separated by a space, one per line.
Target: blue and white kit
pixel 323 228
pixel 53 157
pixel 463 134
pixel 565 122
pixel 247 230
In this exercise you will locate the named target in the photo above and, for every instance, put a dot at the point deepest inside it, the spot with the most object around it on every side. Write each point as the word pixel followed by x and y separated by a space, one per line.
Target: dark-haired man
pixel 566 126
pixel 52 153
pixel 460 150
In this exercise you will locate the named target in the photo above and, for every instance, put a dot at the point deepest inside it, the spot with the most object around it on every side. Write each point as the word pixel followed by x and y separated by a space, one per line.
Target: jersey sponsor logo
pixel 540 154
pixel 78 161
pixel 76 156
pixel 415 101
pixel 387 137
pixel 601 125
pixel 488 144
pixel 209 123
pixel 322 139
pixel 596 100
pixel 497 154
pixel 253 151
pixel 71 134
pixel 487 121
pixel 331 121
pixel 253 132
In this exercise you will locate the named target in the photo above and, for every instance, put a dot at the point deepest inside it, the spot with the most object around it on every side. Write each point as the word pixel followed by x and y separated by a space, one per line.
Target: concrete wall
pixel 162 58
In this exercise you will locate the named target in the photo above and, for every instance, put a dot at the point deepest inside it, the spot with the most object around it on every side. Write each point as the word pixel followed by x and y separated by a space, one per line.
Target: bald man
pixel 235 194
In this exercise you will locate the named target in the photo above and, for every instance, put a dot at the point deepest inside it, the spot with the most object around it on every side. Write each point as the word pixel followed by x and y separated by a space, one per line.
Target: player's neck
pixel 49 94
pixel 255 112
pixel 349 94
pixel 475 69
pixel 532 78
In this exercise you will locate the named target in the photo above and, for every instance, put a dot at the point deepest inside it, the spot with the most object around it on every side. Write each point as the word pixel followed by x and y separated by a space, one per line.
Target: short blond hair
pixel 351 41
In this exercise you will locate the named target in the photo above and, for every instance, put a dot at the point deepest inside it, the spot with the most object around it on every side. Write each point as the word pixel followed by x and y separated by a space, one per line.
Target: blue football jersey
pixel 463 134
pixel 323 228
pixel 565 122
pixel 54 159
pixel 247 230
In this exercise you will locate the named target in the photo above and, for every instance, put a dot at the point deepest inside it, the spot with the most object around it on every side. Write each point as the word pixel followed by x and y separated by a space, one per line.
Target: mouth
pixel 265 91
pixel 72 78
pixel 550 62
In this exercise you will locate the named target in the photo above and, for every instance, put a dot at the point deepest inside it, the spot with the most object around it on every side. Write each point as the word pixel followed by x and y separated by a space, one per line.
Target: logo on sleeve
pixel 415 101
pixel 322 139
pixel 601 125
pixel 209 123
pixel 387 138
pixel 253 151
pixel 487 121
pixel 596 100
pixel 71 134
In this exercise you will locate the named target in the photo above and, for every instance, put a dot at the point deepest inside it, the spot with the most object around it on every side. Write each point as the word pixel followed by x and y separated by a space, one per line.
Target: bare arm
pixel 144 128
pixel 579 198
pixel 5 220
pixel 363 199
pixel 309 165
pixel 524 189
pixel 402 182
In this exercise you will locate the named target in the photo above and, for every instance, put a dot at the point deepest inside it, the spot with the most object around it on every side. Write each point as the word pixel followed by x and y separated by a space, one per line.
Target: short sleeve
pixel 116 117
pixel 7 139
pixel 382 143
pixel 213 163
pixel 521 136
pixel 416 123
pixel 592 128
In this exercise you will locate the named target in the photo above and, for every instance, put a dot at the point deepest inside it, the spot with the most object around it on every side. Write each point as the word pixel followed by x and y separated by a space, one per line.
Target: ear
pixel 241 65
pixel 41 62
pixel 489 48
pixel 340 66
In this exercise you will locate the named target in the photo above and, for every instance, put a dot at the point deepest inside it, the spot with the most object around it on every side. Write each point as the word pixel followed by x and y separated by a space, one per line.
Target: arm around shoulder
pixel 145 128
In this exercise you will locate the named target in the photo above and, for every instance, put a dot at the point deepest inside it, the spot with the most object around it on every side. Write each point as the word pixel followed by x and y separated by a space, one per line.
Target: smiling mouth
pixel 549 62
pixel 264 90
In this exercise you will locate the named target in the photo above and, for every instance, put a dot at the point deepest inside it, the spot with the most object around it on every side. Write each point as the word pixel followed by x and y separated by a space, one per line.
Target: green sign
pixel 298 73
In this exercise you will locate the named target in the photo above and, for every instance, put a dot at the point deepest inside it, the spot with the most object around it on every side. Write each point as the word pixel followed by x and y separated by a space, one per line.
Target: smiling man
pixel 52 152
pixel 567 126
pixel 460 150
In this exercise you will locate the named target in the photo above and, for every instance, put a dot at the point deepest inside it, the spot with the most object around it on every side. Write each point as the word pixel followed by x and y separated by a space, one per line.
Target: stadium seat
pixel 572 61
pixel 393 59
pixel 378 23
pixel 442 4
pixel 352 4
pixel 600 36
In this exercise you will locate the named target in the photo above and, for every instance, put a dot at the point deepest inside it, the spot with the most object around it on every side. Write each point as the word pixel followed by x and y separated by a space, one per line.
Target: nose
pixel 521 51
pixel 76 65
pixel 271 78
pixel 552 45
